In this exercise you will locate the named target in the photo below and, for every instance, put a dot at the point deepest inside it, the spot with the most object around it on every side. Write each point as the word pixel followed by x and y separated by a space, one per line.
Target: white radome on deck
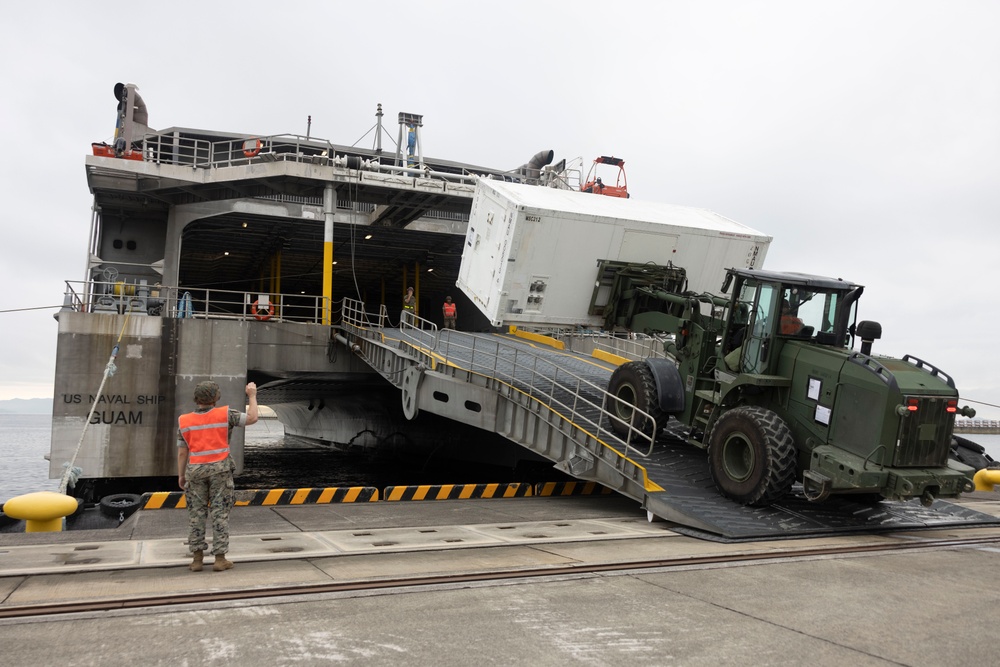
pixel 520 236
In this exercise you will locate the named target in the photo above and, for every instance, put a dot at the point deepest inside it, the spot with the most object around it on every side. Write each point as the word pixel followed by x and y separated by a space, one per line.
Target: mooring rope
pixel 71 473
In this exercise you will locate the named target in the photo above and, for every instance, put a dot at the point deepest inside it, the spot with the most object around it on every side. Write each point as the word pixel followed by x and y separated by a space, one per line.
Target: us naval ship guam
pixel 227 256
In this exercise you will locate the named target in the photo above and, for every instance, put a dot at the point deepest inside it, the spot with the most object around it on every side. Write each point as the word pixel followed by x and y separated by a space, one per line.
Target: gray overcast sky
pixel 863 136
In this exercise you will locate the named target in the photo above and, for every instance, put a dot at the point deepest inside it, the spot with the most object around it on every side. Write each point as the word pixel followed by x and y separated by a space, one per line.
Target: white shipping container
pixel 531 252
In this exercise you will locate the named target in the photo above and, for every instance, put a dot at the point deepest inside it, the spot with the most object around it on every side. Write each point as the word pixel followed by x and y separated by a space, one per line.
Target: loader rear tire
pixel 633 385
pixel 751 455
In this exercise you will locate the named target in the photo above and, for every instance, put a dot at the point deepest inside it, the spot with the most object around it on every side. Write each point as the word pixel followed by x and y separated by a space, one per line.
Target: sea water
pixel 272 461
pixel 24 443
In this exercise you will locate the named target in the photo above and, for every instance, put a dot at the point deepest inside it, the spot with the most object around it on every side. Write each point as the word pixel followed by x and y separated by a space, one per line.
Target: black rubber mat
pixel 691 500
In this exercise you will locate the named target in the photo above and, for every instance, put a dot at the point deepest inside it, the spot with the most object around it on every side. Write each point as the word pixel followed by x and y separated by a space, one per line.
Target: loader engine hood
pixel 896 412
pixel 888 412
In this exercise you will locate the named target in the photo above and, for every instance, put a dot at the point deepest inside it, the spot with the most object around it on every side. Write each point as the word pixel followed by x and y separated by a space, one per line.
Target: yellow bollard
pixel 43 511
pixel 986 478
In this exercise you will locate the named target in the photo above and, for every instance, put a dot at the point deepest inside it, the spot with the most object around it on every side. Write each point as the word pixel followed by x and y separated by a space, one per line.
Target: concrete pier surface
pixel 787 602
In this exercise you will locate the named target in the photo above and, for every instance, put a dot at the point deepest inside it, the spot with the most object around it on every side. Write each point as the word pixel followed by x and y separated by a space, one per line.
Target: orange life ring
pixel 262 314
pixel 251 147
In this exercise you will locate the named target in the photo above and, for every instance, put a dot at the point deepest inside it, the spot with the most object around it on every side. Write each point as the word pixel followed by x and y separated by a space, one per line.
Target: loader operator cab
pixel 769 308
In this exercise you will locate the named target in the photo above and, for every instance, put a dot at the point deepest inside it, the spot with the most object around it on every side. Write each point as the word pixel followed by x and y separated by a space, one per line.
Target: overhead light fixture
pixel 367 236
pixel 244 225
pixel 430 270
pixel 226 253
pixel 334 261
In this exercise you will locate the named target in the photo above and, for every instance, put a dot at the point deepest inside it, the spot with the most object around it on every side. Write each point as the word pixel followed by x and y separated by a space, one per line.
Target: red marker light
pixel 952 406
pixel 911 404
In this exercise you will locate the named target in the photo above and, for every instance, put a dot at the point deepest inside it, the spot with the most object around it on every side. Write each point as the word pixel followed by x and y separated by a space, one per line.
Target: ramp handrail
pixel 526 371
pixel 411 322
pixel 635 349
pixel 355 314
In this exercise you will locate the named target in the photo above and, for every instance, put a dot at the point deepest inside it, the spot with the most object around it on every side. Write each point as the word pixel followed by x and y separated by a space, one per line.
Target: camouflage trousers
pixel 210 491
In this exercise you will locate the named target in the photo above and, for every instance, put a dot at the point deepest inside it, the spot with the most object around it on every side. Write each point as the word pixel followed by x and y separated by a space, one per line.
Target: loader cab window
pixel 763 305
pixel 817 312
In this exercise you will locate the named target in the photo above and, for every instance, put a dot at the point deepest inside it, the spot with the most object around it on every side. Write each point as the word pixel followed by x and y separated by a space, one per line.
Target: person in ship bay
pixel 450 313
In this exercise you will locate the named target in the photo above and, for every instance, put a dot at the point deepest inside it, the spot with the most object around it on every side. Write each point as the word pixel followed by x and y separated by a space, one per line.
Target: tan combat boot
pixel 199 558
pixel 221 563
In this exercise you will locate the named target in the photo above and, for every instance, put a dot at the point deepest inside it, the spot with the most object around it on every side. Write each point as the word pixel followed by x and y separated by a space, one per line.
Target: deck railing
pixel 181 149
pixel 184 148
pixel 140 299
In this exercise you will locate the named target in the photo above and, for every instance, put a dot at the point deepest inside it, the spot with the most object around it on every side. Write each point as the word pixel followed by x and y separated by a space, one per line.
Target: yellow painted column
pixel 329 206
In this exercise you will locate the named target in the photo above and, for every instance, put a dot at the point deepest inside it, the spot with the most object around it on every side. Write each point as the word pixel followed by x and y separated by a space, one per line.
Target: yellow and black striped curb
pixel 457 491
pixel 331 494
pixel 163 500
pixel 354 494
pixel 317 496
pixel 571 489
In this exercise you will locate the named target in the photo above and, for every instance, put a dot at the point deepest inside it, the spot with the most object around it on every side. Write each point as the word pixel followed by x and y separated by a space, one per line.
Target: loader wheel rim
pixel 628 396
pixel 738 459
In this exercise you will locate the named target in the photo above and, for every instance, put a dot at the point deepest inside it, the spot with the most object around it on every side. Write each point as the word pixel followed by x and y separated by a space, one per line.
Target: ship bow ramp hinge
pixel 581 465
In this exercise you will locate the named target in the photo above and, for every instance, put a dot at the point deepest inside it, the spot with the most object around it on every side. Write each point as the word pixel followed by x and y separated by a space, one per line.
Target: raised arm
pixel 252 412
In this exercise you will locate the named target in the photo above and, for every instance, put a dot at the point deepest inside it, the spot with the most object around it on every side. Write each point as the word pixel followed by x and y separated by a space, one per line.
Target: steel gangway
pixel 536 393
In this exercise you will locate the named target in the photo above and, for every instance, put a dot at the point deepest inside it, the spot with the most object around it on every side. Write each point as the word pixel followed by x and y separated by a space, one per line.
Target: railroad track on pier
pixel 276 593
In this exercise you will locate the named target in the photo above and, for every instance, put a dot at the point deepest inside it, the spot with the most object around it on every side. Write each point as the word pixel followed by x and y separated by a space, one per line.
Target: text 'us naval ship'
pixel 635 344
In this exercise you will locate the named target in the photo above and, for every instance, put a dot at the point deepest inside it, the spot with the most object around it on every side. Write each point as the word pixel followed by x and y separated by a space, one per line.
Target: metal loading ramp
pixel 551 401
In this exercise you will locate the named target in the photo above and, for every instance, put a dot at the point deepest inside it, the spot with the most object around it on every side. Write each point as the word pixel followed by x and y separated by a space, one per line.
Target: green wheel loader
pixel 767 380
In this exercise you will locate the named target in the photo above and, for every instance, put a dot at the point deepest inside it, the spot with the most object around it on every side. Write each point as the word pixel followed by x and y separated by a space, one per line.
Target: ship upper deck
pixel 224 210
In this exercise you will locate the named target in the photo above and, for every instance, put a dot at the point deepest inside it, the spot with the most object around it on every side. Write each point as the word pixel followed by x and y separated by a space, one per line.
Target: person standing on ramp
pixel 450 313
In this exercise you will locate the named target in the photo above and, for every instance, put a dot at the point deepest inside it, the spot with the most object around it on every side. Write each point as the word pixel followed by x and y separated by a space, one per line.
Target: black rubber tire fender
pixel 970 453
pixel 634 385
pixel 80 507
pixel 118 504
pixel 752 456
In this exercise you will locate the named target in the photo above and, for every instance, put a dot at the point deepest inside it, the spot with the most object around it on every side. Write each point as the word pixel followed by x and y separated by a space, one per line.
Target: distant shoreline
pixel 26 406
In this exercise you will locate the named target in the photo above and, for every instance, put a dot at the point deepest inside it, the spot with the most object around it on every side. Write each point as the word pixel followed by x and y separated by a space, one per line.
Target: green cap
pixel 206 393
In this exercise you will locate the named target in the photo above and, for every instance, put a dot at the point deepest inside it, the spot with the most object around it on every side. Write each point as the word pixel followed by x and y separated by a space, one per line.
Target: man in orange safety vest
pixel 205 469
pixel 450 313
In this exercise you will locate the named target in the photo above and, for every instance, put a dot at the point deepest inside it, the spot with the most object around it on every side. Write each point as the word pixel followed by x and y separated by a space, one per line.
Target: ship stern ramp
pixel 550 400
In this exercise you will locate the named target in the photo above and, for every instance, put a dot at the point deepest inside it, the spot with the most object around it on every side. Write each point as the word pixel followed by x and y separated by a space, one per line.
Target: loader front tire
pixel 751 455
